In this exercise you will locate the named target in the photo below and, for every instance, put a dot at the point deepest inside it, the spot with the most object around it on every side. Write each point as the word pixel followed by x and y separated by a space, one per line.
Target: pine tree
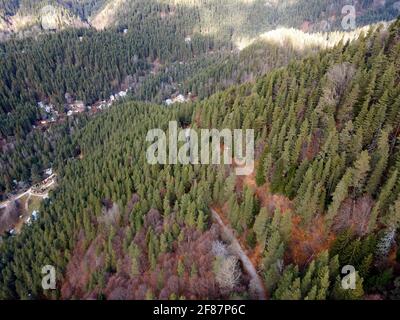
pixel 274 251
pixel 180 268
pixel 380 163
pixel 260 226
pixel 382 199
pixel 201 221
pixel 361 168
pixel 134 252
pixel 340 194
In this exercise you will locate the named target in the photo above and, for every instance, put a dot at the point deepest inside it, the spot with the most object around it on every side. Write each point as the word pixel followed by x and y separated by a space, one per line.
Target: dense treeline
pixel 325 193
pixel 202 77
pixel 93 67
pixel 146 226
pixel 236 18
pixel 328 131
pixel 89 70
pixel 89 65
pixel 24 160
pixel 251 63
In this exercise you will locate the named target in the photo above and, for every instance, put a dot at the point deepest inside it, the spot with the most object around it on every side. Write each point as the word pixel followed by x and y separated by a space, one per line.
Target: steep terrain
pixel 325 193
pixel 222 18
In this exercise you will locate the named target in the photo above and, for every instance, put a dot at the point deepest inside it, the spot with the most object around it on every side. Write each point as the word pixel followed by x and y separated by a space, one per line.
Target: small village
pixel 179 98
pixel 74 107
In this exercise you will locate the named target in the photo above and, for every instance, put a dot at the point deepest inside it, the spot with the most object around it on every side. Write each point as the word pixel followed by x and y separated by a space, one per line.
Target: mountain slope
pixel 223 18
pixel 31 17
pixel 238 18
pixel 325 193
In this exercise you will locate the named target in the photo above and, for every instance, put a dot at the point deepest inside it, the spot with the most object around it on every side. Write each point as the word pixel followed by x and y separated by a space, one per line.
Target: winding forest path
pixel 238 250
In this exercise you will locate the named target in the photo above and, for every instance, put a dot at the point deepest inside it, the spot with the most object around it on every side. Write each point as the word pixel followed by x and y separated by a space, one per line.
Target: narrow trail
pixel 238 250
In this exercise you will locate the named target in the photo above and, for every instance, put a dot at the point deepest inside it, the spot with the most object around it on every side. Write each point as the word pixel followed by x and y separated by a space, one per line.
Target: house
pixel 79 105
pixel 188 39
pixel 48 172
pixel 180 98
pixel 122 94
pixel 35 215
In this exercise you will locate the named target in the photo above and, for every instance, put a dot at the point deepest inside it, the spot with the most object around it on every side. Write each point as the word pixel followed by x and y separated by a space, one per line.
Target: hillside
pixel 223 18
pixel 29 18
pixel 72 66
pixel 325 193
pixel 238 18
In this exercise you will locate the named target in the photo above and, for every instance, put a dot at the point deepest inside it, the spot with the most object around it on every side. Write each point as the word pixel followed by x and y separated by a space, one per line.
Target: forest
pixel 86 64
pixel 325 192
pixel 152 57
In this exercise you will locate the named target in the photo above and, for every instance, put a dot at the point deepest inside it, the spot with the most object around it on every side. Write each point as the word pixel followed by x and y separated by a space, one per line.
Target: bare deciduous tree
pixel 227 273
pixel 110 216
pixel 219 249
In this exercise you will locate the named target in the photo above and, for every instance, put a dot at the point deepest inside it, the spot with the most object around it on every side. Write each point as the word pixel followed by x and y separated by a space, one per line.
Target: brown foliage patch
pixel 194 252
pixel 307 242
pixel 83 262
pixel 267 200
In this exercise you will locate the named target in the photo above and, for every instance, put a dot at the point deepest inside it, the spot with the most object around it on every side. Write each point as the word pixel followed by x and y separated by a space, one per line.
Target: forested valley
pixel 159 52
pixel 325 192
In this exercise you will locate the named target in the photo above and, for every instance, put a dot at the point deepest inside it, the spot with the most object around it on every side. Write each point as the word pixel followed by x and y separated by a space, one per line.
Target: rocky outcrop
pixel 46 18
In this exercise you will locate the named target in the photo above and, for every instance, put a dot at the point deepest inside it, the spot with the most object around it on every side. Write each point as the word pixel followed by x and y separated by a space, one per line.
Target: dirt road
pixel 31 192
pixel 238 250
